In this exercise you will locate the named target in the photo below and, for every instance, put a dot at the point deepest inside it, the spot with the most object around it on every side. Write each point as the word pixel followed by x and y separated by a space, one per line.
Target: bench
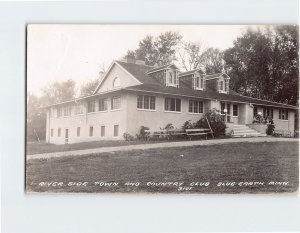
pixel 175 132
pixel 197 132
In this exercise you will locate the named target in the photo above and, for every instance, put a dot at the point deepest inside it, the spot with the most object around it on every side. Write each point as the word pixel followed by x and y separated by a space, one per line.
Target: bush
pixel 169 126
pixel 259 119
pixel 215 120
pixel 128 137
pixel 270 128
pixel 188 125
pixel 143 134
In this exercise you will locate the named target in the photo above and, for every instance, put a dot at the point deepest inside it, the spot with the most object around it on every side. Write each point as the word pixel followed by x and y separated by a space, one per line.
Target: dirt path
pixel 158 145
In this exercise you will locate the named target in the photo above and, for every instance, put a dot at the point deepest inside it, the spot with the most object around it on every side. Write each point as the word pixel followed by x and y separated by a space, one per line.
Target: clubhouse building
pixel 132 94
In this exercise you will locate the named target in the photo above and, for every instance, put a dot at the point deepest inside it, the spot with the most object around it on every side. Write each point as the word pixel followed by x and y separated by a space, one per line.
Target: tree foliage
pixel 264 64
pixel 89 87
pixel 157 51
pixel 213 61
pixel 58 92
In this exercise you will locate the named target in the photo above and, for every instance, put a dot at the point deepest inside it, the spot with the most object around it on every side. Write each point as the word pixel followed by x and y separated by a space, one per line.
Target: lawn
pixel 232 164
pixel 43 147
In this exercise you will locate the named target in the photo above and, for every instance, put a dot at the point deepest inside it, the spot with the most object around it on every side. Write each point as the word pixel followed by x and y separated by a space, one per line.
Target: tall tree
pixel 89 87
pixel 213 61
pixel 191 55
pixel 157 51
pixel 264 64
pixel 58 92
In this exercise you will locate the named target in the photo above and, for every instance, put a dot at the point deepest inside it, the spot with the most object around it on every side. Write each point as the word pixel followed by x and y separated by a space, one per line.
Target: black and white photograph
pixel 158 108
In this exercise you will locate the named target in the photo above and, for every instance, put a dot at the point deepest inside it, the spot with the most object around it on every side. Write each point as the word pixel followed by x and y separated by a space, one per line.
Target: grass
pixel 43 147
pixel 234 162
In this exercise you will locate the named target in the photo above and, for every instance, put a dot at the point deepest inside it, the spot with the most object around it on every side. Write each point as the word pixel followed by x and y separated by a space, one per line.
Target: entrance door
pixel 67 136
pixel 226 112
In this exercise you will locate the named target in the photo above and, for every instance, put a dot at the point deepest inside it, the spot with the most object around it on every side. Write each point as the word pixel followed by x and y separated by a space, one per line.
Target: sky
pixel 79 52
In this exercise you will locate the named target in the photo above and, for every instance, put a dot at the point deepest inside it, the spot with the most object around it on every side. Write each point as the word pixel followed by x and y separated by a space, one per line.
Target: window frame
pixel 116 126
pixel 114 83
pixel 91 131
pixel 113 108
pixel 102 132
pixel 59 132
pixel 200 106
pixel 141 103
pixel 94 106
pixel 104 104
pixel 170 104
pixel 51 132
pixel 283 114
pixel 78 109
pixel 78 131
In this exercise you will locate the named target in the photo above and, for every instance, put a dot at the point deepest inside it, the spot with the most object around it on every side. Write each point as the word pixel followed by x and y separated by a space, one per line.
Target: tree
pixel 36 118
pixel 89 87
pixel 157 51
pixel 58 92
pixel 191 55
pixel 264 64
pixel 213 61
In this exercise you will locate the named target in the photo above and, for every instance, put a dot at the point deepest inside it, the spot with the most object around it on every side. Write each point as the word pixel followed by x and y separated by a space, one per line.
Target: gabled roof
pixel 217 75
pixel 151 85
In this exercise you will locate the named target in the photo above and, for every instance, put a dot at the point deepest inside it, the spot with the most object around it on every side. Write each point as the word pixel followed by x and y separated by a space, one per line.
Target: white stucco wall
pixel 158 118
pixel 85 120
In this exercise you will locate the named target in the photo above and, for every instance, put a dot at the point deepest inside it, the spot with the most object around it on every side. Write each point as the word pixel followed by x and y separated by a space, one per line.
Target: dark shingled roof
pixel 149 84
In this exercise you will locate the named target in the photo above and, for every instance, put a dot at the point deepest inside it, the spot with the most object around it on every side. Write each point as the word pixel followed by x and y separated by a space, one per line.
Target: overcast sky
pixel 61 52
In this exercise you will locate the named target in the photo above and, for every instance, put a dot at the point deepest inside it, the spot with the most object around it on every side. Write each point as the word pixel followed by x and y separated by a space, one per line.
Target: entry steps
pixel 245 131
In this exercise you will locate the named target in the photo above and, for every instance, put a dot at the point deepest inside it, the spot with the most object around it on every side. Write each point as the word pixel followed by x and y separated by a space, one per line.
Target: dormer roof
pixel 217 75
pixel 160 68
pixel 189 72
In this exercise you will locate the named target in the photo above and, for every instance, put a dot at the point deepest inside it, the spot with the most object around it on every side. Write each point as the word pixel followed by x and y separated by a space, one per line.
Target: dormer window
pixel 198 83
pixel 172 79
pixel 224 85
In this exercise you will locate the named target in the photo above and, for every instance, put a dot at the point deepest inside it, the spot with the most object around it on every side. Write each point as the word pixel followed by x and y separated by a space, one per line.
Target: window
pixel 116 130
pixel 283 114
pixel 228 109
pixel 221 85
pixel 172 78
pixel 268 112
pixel 59 112
pixel 116 82
pixel 91 131
pixel 103 105
pixel 146 102
pixel 102 131
pixel 78 131
pixel 115 102
pixel 235 110
pixel 173 104
pixel 78 109
pixel 91 106
pixel 51 132
pixel 67 110
pixel 58 132
pixel 195 106
pixel 198 83
pixel 222 108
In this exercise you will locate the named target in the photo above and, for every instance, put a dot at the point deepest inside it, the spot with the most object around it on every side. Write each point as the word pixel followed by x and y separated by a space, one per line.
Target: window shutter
pixel 165 78
pixel 204 83
pixel 218 85
pixel 176 79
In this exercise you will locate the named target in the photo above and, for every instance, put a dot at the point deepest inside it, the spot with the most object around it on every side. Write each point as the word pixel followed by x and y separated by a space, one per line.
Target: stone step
pixel 245 131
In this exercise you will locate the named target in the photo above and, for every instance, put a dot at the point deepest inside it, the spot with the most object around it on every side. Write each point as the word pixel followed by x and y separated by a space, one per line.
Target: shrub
pixel 259 119
pixel 143 134
pixel 270 128
pixel 169 126
pixel 128 137
pixel 188 125
pixel 215 120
